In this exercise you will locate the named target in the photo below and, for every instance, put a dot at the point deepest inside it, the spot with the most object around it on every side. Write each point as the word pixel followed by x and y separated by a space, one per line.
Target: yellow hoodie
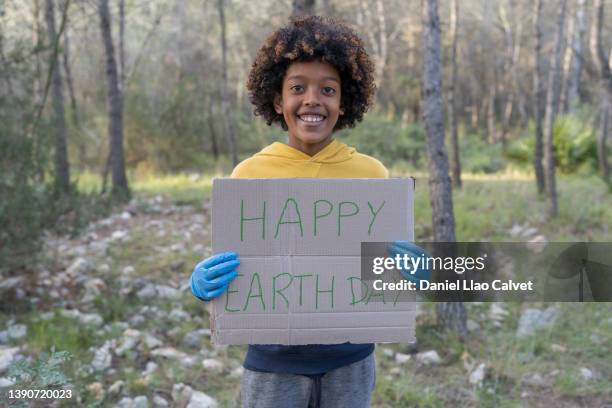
pixel 336 160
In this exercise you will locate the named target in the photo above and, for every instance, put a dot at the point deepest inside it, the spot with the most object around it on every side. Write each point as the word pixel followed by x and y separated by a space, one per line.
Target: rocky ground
pixel 117 298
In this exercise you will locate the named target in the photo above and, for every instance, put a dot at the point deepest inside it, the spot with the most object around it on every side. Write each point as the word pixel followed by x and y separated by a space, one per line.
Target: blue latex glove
pixel 213 275
pixel 413 251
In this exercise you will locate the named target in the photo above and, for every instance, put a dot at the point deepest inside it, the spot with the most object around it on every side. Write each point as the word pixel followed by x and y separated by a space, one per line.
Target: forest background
pixel 112 110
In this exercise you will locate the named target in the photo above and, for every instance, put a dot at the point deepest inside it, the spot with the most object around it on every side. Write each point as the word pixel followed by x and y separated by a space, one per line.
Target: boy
pixel 313 77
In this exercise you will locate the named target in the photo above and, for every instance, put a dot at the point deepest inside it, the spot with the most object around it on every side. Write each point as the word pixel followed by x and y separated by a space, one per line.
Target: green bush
pixel 479 156
pixel 388 141
pixel 574 146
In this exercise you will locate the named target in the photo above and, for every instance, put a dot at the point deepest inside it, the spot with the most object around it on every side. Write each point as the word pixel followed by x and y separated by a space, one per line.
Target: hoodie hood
pixel 336 160
pixel 334 152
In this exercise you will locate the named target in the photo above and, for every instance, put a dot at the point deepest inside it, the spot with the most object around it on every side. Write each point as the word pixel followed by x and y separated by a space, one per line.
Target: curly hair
pixel 307 39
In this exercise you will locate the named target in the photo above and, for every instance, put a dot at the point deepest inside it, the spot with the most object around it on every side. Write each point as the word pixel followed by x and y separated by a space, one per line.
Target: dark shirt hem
pixel 304 360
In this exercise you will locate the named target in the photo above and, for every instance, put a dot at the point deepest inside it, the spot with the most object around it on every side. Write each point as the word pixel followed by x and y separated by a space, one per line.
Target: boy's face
pixel 310 104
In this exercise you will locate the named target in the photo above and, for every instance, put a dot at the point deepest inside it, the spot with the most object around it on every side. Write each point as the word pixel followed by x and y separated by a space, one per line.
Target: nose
pixel 311 97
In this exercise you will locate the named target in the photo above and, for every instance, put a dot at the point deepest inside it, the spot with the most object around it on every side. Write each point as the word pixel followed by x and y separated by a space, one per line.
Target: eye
pixel 328 90
pixel 297 88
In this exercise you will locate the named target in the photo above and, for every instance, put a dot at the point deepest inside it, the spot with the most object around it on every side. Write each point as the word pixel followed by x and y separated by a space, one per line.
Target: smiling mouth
pixel 311 118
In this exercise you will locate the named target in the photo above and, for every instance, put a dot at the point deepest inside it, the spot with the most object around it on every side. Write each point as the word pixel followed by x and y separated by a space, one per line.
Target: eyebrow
pixel 329 78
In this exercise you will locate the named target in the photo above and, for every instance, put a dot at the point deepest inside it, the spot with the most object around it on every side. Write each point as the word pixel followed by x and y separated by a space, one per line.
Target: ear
pixel 278 104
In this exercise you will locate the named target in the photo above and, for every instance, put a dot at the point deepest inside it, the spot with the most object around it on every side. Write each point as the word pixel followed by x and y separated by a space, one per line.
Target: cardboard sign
pixel 299 244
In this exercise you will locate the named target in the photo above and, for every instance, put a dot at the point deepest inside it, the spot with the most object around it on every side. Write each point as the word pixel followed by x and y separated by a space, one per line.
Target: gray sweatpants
pixel 348 386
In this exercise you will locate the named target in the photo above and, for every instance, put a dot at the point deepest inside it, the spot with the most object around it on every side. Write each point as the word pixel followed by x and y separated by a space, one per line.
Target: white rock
pixel 430 357
pixel 558 348
pixel 188 361
pixel 147 292
pixel 168 352
pixel 534 319
pixel 6 382
pixel 119 235
pixel 10 284
pixel 140 401
pixel 181 394
pixel 137 320
pixel 179 315
pixel 194 339
pixel 126 402
pixel 212 364
pixel 128 270
pixel 586 373
pixel 97 389
pixel 472 325
pixel 7 354
pixel 129 341
pixel 160 402
pixel 537 244
pixel 478 375
pixel 529 232
pixel 178 247
pixel 104 268
pixel 116 387
pixel 80 266
pixel 17 331
pixel 4 337
pixel 102 356
pixel 167 292
pixel 237 372
pixel 535 380
pixel 185 286
pixel 151 341
pixel 91 318
pixel 497 312
pixel 516 230
pixel 150 368
pixel 387 352
pixel 201 400
pixel 125 216
pixel 70 313
pixel 46 316
pixel 95 284
pixel 401 358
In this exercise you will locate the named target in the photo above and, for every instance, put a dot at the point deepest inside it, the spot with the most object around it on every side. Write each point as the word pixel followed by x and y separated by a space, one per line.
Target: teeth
pixel 312 118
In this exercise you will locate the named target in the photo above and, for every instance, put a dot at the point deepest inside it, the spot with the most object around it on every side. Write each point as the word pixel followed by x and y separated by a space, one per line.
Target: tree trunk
pixel 575 72
pixel 302 7
pixel 537 99
pixel 602 150
pixel 450 316
pixel 225 97
pixel 120 188
pixel 122 48
pixel 566 65
pixel 601 61
pixel 38 85
pixel 491 128
pixel 452 104
pixel 62 166
pixel 73 104
pixel 5 75
pixel 549 119
pixel 213 133
pixel 513 29
pixel 375 25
